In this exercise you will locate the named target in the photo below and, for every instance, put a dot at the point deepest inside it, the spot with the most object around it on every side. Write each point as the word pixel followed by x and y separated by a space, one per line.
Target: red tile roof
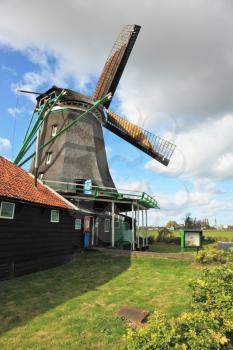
pixel 17 183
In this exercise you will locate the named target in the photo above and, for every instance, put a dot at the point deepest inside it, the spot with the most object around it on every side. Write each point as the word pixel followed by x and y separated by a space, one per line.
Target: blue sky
pixel 176 85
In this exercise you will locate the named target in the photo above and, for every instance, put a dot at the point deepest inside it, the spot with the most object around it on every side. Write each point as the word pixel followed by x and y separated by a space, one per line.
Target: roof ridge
pixel 17 183
pixel 54 192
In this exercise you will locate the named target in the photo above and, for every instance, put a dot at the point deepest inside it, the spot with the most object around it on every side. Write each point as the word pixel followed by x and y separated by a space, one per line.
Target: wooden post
pixel 143 238
pixel 146 230
pixel 36 156
pixel 133 241
pixel 138 240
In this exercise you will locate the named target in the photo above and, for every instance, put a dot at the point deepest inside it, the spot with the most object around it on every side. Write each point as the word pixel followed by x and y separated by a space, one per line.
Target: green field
pixel 159 247
pixel 207 233
pixel 219 234
pixel 73 306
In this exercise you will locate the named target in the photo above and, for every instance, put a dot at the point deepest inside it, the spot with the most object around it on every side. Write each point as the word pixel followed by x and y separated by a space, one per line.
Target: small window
pixel 54 130
pixel 48 157
pixel 7 210
pixel 78 224
pixel 54 216
pixel 107 225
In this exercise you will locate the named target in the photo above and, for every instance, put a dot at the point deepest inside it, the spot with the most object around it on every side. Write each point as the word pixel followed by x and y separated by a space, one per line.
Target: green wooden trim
pixel 82 115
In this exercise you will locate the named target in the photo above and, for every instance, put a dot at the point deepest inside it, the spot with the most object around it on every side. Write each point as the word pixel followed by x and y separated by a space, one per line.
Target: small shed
pixel 39 228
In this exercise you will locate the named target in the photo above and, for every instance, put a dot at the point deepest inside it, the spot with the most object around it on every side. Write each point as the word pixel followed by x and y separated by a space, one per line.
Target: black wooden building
pixel 38 227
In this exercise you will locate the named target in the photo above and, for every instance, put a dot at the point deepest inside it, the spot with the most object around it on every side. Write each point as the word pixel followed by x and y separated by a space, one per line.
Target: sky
pixel 177 84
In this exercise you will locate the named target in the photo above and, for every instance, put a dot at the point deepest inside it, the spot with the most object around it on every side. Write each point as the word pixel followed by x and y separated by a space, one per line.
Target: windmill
pixel 79 151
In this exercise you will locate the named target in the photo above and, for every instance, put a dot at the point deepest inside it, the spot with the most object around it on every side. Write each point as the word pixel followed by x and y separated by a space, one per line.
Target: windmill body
pixel 79 153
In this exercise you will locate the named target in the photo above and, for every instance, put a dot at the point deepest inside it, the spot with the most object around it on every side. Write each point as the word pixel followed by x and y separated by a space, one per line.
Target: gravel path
pixel 178 256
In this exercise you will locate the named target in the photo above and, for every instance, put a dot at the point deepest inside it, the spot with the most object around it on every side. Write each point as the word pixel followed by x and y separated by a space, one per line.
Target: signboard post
pixel 190 238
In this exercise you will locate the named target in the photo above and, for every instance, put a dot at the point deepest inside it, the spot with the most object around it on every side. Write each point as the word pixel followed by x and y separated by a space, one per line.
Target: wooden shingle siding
pixel 30 242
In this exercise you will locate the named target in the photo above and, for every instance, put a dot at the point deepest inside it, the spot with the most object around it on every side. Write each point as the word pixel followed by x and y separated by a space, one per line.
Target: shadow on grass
pixel 22 299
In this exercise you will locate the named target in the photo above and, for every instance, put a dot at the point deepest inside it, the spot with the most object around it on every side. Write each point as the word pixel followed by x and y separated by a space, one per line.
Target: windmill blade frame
pixel 116 62
pixel 155 146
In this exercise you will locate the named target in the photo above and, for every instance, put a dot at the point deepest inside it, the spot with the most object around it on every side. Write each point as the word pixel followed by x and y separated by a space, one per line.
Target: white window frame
pixel 48 157
pixel 54 130
pixel 51 216
pixel 107 229
pixel 13 210
pixel 78 224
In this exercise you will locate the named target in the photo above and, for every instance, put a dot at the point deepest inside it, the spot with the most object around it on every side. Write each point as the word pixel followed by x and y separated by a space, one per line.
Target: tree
pixel 172 225
pixel 188 221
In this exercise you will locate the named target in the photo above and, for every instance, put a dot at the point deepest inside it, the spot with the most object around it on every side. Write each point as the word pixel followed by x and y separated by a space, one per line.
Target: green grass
pixel 73 306
pixel 207 233
pixel 160 247
pixel 218 233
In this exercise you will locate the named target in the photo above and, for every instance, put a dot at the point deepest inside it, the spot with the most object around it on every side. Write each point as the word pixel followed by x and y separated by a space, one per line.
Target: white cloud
pixel 178 81
pixel 203 200
pixel 134 186
pixel 205 151
pixel 15 111
pixel 30 82
pixel 5 144
pixel 182 62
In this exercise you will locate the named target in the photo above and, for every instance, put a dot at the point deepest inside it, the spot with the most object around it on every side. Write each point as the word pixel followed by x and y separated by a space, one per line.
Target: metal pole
pixel 146 230
pixel 143 237
pixel 44 113
pixel 113 224
pixel 133 242
pixel 97 231
pixel 92 231
pixel 138 226
pixel 36 156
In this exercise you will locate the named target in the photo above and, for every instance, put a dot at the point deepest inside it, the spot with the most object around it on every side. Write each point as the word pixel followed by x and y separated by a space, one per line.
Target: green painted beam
pixel 84 114
pixel 43 115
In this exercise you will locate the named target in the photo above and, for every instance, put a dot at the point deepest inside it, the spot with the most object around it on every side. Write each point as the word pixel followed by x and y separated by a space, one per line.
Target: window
pixel 54 216
pixel 48 157
pixel 107 225
pixel 54 130
pixel 7 210
pixel 78 224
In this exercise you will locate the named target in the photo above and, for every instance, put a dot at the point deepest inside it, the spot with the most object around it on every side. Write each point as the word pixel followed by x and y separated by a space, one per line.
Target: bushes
pixel 207 326
pixel 192 330
pixel 166 236
pixel 212 255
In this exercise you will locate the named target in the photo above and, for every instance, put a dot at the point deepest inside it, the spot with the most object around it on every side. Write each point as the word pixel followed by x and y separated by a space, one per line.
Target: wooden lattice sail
pixel 116 62
pixel 149 143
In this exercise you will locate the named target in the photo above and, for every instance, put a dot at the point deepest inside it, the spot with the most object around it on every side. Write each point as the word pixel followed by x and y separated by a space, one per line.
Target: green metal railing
pixel 103 192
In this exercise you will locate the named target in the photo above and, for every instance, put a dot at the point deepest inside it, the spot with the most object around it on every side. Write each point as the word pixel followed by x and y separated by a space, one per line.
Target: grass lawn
pixel 207 233
pixel 160 247
pixel 73 306
pixel 218 233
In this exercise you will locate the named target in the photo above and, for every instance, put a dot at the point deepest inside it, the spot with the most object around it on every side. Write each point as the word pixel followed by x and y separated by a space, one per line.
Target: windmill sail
pixel 116 62
pixel 155 146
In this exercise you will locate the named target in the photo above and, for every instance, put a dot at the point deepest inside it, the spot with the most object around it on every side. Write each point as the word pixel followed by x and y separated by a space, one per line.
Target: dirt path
pixel 178 256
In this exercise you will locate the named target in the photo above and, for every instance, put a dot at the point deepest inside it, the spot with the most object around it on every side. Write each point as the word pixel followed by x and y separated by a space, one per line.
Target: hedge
pixel 208 325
